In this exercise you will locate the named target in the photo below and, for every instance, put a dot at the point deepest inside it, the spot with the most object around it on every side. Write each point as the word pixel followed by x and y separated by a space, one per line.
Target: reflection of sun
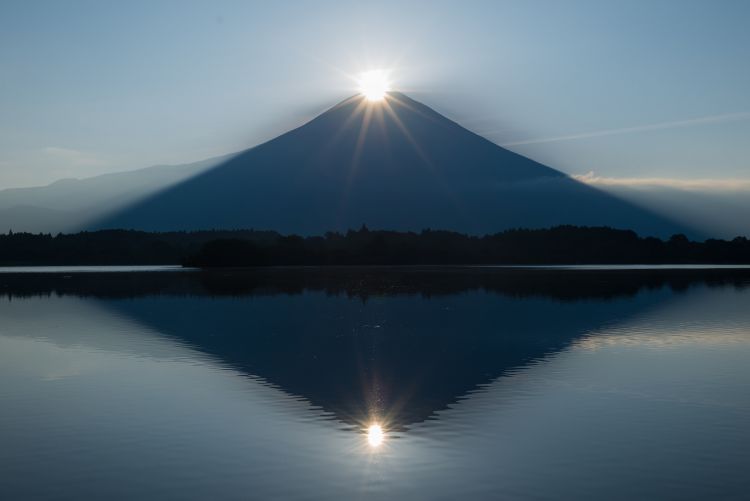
pixel 374 84
pixel 375 435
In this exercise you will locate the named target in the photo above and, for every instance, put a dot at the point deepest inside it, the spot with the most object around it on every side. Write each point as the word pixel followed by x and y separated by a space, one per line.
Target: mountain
pixel 70 204
pixel 395 164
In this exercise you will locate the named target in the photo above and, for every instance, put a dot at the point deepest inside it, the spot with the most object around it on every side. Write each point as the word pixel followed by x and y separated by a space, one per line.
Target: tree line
pixel 113 247
pixel 558 245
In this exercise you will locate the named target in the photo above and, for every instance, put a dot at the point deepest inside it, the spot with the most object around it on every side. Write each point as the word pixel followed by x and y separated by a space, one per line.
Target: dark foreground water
pixel 376 384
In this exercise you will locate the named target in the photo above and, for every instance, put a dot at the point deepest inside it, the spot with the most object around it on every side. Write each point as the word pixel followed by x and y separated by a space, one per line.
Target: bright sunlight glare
pixel 375 435
pixel 374 84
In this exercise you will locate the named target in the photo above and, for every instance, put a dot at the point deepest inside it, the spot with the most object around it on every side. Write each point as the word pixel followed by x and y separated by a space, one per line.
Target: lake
pixel 375 383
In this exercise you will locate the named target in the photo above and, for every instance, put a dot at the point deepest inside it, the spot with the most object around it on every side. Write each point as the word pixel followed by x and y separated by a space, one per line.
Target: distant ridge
pixel 70 204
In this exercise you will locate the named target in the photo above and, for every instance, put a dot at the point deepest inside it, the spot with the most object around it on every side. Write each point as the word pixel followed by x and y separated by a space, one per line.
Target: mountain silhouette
pixel 395 164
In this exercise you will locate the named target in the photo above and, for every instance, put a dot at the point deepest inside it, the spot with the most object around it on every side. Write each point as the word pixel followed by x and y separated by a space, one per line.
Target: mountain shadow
pixel 395 165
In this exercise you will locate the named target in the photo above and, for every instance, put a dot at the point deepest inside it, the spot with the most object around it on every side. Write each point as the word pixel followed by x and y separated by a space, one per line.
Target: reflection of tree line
pixel 559 245
pixel 363 281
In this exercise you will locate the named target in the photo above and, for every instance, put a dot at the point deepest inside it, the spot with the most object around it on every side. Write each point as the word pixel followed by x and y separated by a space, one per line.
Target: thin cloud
pixel 73 157
pixel 712 119
pixel 664 182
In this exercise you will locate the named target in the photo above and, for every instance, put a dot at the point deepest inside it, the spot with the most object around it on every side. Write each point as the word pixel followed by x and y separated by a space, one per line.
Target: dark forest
pixel 558 245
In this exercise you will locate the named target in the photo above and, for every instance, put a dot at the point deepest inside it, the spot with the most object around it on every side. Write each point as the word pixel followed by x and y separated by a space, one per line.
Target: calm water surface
pixel 485 384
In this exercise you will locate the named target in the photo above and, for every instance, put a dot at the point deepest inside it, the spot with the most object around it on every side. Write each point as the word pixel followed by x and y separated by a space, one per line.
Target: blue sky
pixel 624 90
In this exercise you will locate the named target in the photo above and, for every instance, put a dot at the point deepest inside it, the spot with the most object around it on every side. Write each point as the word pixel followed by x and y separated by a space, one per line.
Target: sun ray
pixel 361 105
pixel 431 166
pixel 356 154
pixel 407 134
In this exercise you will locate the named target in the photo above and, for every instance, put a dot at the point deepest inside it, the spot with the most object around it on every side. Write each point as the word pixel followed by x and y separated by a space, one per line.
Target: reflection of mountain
pixel 395 165
pixel 395 342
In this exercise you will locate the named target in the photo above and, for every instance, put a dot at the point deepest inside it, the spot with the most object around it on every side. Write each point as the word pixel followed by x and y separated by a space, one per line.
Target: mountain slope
pixel 395 165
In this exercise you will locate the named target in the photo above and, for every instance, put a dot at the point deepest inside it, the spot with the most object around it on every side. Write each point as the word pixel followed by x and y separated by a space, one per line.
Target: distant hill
pixel 69 204
pixel 397 165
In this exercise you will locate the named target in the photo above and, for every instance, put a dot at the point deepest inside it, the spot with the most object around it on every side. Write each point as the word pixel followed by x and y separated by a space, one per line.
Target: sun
pixel 374 84
pixel 375 435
